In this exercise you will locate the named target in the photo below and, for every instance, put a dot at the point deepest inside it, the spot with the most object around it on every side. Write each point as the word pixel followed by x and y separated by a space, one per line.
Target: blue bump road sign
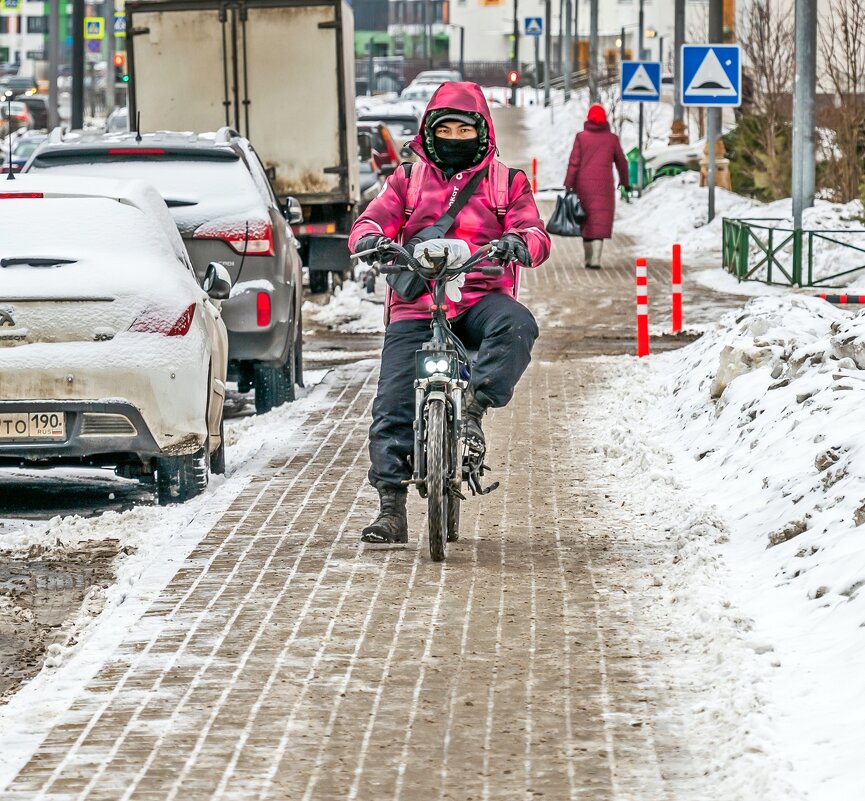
pixel 534 26
pixel 711 75
pixel 641 81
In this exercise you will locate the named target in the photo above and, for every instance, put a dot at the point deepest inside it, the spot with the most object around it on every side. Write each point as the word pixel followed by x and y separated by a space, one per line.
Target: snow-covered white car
pixel 673 159
pixel 111 353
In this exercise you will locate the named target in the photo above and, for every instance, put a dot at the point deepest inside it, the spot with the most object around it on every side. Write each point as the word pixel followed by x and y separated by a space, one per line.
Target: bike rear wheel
pixel 437 478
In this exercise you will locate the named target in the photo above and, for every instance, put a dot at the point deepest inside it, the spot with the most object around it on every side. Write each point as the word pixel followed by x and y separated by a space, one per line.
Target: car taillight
pixel 257 240
pixel 21 118
pixel 153 321
pixel 19 195
pixel 263 309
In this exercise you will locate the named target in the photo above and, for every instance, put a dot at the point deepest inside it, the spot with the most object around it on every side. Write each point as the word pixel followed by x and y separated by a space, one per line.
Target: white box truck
pixel 280 73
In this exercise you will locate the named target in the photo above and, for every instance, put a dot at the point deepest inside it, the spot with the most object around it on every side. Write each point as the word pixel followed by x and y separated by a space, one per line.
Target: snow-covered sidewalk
pixel 758 430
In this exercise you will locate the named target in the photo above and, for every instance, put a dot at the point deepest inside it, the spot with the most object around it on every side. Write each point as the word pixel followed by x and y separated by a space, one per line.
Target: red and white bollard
pixel 677 288
pixel 534 176
pixel 642 308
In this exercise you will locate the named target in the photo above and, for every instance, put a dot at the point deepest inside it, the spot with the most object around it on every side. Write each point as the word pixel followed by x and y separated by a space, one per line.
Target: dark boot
pixel 391 525
pixel 474 410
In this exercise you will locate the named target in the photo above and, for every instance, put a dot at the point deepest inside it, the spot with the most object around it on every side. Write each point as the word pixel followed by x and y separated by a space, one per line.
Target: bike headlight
pixel 431 365
pixel 442 365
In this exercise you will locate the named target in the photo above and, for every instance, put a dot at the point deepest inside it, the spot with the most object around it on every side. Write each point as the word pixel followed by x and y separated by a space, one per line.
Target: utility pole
pixel 77 120
pixel 567 58
pixel 713 126
pixel 516 60
pixel 548 46
pixel 576 65
pixel 594 94
pixel 678 134
pixel 53 63
pixel 640 176
pixel 804 91
pixel 109 56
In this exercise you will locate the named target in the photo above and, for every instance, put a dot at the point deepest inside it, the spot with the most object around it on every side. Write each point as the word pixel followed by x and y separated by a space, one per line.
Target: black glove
pixel 368 243
pixel 512 247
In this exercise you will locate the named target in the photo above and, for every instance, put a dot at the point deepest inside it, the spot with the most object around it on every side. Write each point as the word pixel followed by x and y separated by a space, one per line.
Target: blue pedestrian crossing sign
pixel 641 81
pixel 534 26
pixel 711 75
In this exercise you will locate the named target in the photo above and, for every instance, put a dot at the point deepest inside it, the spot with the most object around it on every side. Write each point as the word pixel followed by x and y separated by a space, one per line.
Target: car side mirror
pixel 292 211
pixel 217 281
pixel 387 170
pixel 364 145
pixel 406 152
pixel 270 172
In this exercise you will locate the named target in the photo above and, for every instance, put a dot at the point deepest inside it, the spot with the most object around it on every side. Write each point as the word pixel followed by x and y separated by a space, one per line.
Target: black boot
pixel 474 410
pixel 391 525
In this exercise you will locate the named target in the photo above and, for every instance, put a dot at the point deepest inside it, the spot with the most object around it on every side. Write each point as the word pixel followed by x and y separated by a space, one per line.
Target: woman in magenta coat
pixel 590 174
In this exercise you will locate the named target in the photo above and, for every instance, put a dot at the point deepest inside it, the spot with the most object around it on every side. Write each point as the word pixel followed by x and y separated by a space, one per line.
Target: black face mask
pixel 456 154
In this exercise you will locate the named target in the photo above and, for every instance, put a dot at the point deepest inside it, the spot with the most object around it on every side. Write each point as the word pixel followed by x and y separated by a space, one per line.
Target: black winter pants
pixel 501 329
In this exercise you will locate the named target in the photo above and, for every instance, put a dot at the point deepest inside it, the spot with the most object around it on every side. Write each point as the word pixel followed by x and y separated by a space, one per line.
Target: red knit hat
pixel 597 114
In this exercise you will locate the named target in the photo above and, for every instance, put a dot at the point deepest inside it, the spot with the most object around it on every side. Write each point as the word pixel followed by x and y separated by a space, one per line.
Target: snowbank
pixel 760 423
pixel 351 310
pixel 676 210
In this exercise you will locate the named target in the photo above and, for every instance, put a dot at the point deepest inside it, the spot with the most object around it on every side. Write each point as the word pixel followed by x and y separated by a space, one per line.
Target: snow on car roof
pixel 103 247
pixel 129 192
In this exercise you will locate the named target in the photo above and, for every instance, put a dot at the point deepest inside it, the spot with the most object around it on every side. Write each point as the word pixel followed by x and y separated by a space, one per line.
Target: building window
pixel 37 24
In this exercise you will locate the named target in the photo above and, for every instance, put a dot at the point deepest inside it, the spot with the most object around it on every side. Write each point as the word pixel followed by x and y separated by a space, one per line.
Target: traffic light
pixel 513 77
pixel 120 75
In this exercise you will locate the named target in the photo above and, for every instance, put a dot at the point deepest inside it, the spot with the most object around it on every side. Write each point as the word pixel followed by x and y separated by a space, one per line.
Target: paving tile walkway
pixel 285 661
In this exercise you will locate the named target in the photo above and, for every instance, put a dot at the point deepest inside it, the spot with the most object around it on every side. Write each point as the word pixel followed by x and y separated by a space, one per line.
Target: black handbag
pixel 409 285
pixel 568 216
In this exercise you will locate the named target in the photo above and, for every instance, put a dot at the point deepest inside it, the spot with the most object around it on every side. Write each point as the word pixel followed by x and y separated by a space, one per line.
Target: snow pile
pixel 713 671
pixel 761 420
pixel 676 210
pixel 351 310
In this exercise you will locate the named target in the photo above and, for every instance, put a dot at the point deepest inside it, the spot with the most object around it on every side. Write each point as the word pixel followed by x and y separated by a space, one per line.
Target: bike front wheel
pixel 437 478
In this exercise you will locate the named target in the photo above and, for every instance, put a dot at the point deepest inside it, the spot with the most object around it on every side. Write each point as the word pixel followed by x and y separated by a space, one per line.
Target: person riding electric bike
pixel 457 169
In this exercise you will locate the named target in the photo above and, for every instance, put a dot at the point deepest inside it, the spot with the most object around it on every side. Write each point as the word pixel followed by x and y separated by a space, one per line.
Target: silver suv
pixel 219 195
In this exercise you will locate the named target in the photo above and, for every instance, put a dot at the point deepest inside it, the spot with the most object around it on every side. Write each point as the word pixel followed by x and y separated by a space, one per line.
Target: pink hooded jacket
pixel 477 224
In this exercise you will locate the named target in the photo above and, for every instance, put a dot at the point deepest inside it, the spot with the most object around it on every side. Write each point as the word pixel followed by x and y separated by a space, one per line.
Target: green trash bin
pixel 633 156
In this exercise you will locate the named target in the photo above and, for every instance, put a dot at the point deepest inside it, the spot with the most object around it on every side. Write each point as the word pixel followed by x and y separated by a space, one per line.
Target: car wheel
pixel 290 370
pixel 217 458
pixel 179 478
pixel 317 281
pixel 270 387
pixel 298 351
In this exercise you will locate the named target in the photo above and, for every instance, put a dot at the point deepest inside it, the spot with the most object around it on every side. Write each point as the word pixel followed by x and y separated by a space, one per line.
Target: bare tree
pixel 842 49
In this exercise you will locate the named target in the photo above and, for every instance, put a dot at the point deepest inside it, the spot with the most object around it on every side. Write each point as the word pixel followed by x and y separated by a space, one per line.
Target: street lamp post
pixel 462 30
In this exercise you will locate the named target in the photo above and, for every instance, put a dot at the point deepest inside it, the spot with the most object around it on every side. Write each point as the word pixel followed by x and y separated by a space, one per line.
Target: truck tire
pixel 179 478
pixel 317 281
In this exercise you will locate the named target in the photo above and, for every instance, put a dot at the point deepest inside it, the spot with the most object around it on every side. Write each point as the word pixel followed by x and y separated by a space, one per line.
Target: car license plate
pixel 32 425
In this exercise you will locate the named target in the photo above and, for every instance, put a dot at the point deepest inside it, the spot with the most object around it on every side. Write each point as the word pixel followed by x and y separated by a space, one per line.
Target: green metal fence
pixel 786 254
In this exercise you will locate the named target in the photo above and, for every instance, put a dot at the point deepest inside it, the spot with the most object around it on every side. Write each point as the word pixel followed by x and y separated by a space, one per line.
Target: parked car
pixel 383 150
pixel 437 76
pixel 118 120
pixel 20 118
pixel 419 92
pixel 37 105
pixel 402 121
pixel 673 159
pixel 111 353
pixel 222 203
pixel 22 148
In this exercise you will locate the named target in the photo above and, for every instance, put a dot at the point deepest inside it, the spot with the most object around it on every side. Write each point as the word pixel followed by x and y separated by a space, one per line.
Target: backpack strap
pixel 415 173
pixel 500 178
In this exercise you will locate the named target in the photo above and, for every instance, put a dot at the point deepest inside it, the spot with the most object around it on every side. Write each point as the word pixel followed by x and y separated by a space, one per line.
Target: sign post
pixel 711 77
pixel 641 83
pixel 534 27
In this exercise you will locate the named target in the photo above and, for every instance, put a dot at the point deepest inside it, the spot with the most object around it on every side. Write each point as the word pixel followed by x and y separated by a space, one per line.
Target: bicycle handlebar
pixel 469 265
